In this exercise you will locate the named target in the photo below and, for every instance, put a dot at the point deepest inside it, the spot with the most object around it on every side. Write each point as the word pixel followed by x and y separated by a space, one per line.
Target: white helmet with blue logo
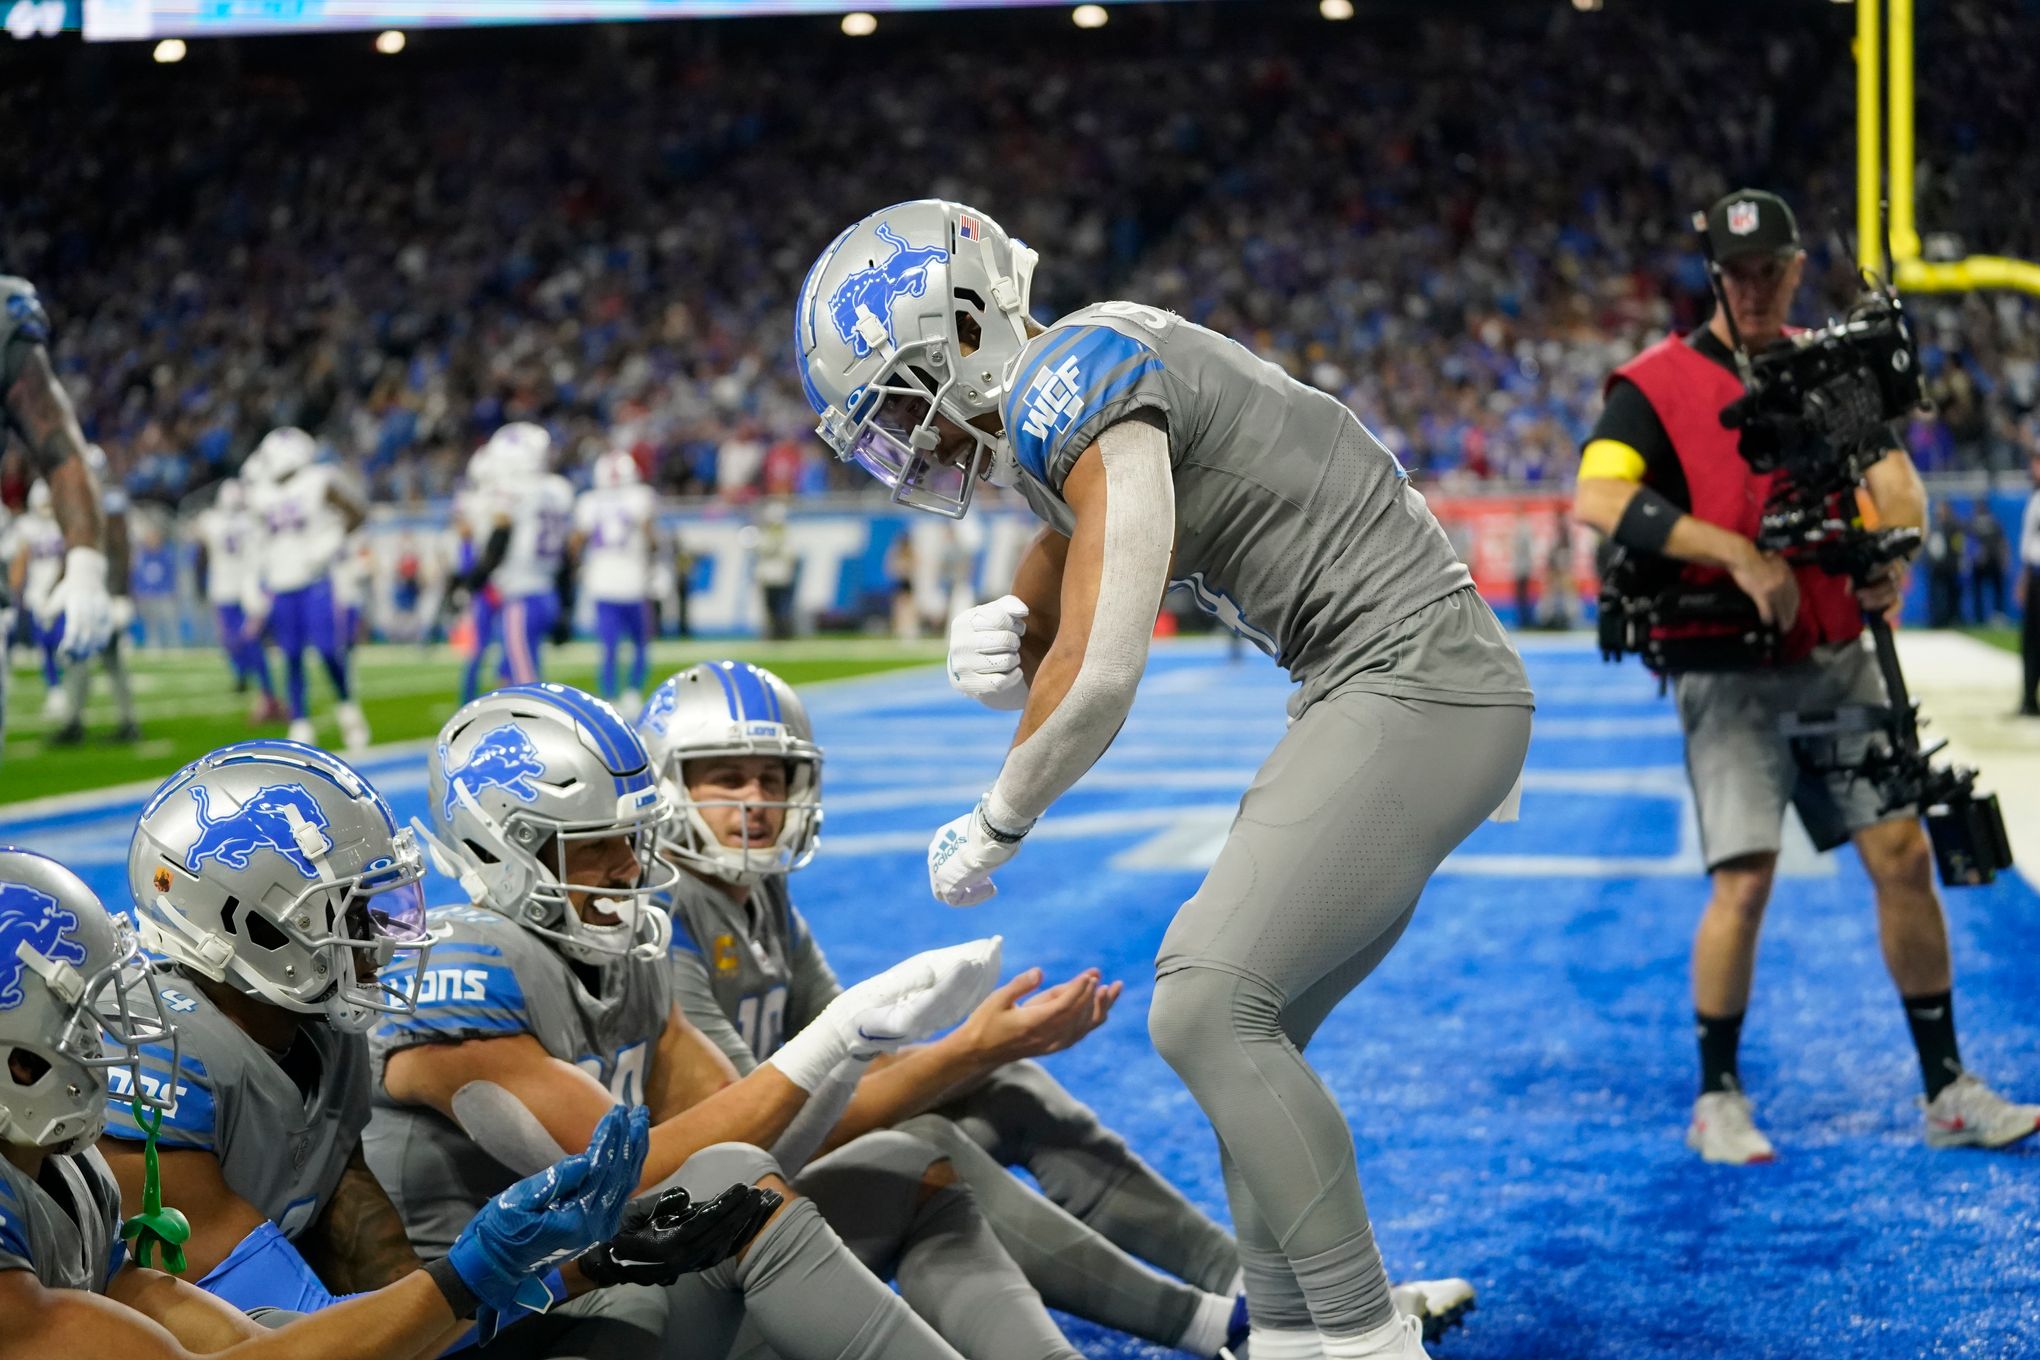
pixel 277 869
pixel 70 975
pixel 729 708
pixel 282 454
pixel 880 333
pixel 518 453
pixel 521 777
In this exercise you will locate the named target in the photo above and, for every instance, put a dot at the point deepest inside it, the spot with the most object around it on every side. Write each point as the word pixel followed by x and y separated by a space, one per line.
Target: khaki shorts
pixel 1743 769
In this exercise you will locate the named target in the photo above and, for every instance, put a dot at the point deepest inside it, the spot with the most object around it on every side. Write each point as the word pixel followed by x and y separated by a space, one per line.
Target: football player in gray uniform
pixel 278 885
pixel 736 753
pixel 72 983
pixel 1159 453
pixel 548 1000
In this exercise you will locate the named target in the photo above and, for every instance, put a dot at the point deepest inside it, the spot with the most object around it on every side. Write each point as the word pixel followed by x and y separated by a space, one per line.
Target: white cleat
pixel 56 708
pixel 302 731
pixel 1440 1305
pixel 354 733
pixel 1968 1113
pixel 1724 1131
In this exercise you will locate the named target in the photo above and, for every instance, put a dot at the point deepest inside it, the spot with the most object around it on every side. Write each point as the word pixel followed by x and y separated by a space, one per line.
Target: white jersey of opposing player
pixel 616 563
pixel 44 540
pixel 541 516
pixel 302 531
pixel 229 537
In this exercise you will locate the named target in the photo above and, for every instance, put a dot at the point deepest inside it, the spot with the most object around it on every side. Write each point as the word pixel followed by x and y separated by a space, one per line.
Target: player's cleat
pixel 1968 1113
pixel 1723 1130
pixel 70 734
pixel 127 734
pixel 1440 1305
pixel 302 732
pixel 269 710
pixel 354 733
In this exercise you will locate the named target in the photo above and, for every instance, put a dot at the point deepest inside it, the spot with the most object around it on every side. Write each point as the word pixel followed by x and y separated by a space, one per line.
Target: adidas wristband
pixel 1646 523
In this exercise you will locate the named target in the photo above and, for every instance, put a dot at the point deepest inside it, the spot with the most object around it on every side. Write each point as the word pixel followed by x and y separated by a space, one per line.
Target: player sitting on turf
pixel 548 1000
pixel 736 752
pixel 275 880
pixel 73 988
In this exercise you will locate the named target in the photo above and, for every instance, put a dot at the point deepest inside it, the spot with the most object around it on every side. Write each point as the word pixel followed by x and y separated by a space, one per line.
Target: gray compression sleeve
pixel 825 1106
pixel 505 1128
pixel 1140 535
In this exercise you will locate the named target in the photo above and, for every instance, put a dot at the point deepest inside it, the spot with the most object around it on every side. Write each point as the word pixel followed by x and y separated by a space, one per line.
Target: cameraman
pixel 1660 475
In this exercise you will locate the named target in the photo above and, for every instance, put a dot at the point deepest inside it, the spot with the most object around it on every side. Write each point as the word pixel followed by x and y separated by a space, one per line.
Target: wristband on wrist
pixel 461 1299
pixel 1646 523
pixel 993 829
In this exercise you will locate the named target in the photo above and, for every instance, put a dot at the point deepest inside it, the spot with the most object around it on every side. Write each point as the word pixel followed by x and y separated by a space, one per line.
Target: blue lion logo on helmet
pixel 263 822
pixel 505 759
pixel 659 711
pixel 904 274
pixel 32 918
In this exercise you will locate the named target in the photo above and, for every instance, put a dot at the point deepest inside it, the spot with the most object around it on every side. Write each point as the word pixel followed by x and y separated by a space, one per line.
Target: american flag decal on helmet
pixel 967 227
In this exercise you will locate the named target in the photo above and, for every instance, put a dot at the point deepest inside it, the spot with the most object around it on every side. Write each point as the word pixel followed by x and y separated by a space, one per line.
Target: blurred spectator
pixel 775 566
pixel 1990 558
pixel 152 583
pixel 2026 590
pixel 1947 545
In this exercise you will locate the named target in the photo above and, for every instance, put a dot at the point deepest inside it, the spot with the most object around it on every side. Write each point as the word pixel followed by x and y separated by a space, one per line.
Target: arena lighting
pixel 390 43
pixel 169 50
pixel 1335 9
pixel 1586 6
pixel 859 24
pixel 1089 16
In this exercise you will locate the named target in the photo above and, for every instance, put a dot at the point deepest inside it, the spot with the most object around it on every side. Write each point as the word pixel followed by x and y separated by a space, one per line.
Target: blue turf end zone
pixel 1518 1072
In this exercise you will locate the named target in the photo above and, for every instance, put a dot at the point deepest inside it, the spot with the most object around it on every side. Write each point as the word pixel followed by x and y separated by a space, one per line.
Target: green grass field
pixel 187 705
pixel 2006 637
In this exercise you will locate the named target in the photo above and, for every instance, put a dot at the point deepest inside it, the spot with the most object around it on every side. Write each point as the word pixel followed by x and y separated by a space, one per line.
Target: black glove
pixel 666 1236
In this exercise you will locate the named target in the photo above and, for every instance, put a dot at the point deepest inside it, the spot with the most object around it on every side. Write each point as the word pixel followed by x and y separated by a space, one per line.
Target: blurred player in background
pixel 303 514
pixel 476 517
pixel 226 537
pixel 530 515
pixel 112 655
pixel 34 567
pixel 614 545
pixel 1154 451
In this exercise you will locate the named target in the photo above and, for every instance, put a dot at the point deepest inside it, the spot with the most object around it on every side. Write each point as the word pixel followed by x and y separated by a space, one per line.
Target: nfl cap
pixel 1751 222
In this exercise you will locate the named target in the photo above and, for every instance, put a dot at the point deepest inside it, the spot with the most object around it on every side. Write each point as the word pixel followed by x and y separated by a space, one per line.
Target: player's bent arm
pixel 1037 580
pixel 40 411
pixel 353 511
pixel 191 1180
pixel 1123 491
pixel 202 1324
pixel 1601 502
pixel 566 1103
pixel 687 1069
pixel 358 1243
pixel 407 1321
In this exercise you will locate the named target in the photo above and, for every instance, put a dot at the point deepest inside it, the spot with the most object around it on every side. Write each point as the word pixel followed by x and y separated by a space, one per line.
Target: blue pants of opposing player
pixel 46 640
pixel 244 653
pixel 488 616
pixel 615 621
pixel 527 622
pixel 307 618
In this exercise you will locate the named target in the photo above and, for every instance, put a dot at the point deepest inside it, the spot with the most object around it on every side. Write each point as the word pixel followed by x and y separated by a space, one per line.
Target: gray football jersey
pixel 491 978
pixel 1295 527
pixel 280 1149
pixel 747 976
pixel 70 1239
pixel 22 318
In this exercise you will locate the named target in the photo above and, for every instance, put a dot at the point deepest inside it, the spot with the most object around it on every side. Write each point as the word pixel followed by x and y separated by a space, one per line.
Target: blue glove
pixel 551 1217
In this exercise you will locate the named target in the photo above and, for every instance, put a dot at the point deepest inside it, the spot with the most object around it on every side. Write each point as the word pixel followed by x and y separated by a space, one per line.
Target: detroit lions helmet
pixel 728 708
pixel 70 978
pixel 284 453
pixel 616 468
pixel 277 869
pixel 879 335
pixel 523 774
pixel 519 452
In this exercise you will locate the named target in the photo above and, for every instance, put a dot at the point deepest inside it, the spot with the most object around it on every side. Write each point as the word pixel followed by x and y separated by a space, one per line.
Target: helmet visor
pixel 928 460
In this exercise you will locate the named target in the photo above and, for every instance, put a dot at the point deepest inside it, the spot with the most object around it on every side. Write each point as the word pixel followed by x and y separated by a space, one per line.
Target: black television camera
pixel 1817 410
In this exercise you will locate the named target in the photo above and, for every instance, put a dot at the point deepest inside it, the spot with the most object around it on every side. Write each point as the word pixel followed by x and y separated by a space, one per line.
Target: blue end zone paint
pixel 1519 1071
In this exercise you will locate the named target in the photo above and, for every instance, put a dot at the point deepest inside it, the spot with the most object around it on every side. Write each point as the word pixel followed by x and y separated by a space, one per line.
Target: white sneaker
pixel 1724 1131
pixel 1968 1113
pixel 1440 1305
pixel 353 728
pixel 301 730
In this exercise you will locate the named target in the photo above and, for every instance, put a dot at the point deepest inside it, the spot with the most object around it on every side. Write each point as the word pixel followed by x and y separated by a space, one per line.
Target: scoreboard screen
pixel 127 20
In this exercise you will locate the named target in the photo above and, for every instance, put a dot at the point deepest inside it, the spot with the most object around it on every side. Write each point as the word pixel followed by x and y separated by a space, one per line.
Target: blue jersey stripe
pixel 757 699
pixel 1091 353
pixel 721 671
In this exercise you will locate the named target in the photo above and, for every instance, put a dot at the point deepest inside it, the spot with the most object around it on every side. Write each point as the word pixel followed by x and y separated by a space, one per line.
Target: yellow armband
pixel 1612 459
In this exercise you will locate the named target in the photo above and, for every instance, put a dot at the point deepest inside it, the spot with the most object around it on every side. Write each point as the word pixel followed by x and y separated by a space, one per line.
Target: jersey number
pixel 626 1073
pixel 762 1022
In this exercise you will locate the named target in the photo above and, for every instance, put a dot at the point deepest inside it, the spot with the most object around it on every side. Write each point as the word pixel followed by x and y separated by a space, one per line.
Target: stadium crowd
pixel 1458 224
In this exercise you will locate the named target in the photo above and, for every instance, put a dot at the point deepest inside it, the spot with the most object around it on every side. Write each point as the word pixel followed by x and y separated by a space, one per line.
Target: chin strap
pixel 155 1226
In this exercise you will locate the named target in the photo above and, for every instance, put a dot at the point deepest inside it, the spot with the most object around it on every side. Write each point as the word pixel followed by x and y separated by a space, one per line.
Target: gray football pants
pixel 1100 1213
pixel 802 1292
pixel 1333 842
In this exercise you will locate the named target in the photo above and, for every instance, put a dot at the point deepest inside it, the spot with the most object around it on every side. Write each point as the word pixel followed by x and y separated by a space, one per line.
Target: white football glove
pixel 984 653
pixel 912 1000
pixel 80 596
pixel 962 856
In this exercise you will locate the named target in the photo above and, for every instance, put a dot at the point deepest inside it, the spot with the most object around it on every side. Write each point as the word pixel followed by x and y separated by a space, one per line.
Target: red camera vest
pixel 1688 390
